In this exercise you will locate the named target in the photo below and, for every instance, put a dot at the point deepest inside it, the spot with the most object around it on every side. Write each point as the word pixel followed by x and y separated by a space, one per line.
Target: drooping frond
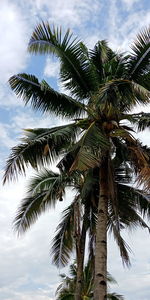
pixel 63 242
pixel 123 246
pixel 131 202
pixel 42 97
pixel 43 191
pixel 138 156
pixel 111 279
pixel 30 209
pixel 53 183
pixel 144 80
pixel 140 160
pixel 141 120
pixel 114 296
pixel 39 147
pixel 75 69
pixel 142 94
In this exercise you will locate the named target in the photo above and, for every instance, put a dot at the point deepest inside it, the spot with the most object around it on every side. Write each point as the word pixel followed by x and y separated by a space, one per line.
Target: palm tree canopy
pixel 104 86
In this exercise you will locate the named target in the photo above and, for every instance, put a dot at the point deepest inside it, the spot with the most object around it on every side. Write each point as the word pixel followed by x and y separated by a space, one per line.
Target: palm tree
pixel 65 290
pixel 104 87
pixel 78 218
pixel 81 215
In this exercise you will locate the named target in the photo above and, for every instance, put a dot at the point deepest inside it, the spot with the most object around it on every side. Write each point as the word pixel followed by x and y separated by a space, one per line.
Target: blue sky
pixel 26 271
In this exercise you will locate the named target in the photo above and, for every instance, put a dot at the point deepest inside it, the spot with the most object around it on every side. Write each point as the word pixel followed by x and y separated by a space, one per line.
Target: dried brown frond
pixel 144 178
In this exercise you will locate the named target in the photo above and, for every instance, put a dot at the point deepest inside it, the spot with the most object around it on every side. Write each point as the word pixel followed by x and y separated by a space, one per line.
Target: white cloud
pixel 8 99
pixel 6 140
pixel 129 3
pixel 69 13
pixel 51 68
pixel 13 32
pixel 24 120
pixel 123 30
pixel 133 283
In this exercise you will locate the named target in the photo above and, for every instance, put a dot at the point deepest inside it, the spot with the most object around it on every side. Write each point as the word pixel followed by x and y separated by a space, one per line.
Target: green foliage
pixel 67 287
pixel 104 86
pixel 75 68
pixel 42 97
pixel 39 147
pixel 63 242
pixel 139 61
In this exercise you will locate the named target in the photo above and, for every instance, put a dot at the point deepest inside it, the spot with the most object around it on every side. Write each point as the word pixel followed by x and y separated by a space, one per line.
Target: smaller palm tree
pixel 65 290
pixel 80 217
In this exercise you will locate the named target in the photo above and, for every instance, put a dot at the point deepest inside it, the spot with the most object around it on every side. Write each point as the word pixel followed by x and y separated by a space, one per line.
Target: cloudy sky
pixel 26 271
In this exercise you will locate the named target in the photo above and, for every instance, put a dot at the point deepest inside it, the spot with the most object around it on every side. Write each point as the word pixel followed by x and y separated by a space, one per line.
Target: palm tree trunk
pixel 100 284
pixel 80 261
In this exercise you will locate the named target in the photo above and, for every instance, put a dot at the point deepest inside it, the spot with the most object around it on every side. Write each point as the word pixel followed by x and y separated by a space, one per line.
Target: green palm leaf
pixel 142 94
pixel 141 120
pixel 114 296
pixel 123 246
pixel 118 92
pixel 29 211
pixel 40 147
pixel 75 72
pixel 90 146
pixel 129 198
pixel 42 97
pixel 139 61
pixel 43 192
pixel 63 242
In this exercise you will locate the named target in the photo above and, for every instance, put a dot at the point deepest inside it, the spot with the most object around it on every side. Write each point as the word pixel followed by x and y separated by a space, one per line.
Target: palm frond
pixel 99 56
pixel 141 93
pixel 63 242
pixel 130 211
pixel 39 147
pixel 118 93
pixel 144 80
pixel 111 279
pixel 143 203
pixel 123 246
pixel 143 178
pixel 42 97
pixel 50 181
pixel 44 190
pixel 75 69
pixel 114 296
pixel 89 149
pixel 140 161
pixel 30 209
pixel 139 61
pixel 141 120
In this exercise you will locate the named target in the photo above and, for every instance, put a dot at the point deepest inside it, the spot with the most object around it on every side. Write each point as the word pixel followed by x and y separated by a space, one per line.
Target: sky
pixel 26 271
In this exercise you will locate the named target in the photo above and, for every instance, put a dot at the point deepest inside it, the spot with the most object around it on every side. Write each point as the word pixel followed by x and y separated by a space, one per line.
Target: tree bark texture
pixel 100 284
pixel 80 261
